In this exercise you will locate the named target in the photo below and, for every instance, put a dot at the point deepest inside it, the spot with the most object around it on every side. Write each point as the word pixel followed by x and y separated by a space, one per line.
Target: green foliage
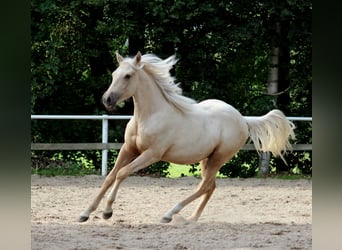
pixel 243 165
pixel 158 169
pixel 223 47
pixel 68 169
pixel 74 164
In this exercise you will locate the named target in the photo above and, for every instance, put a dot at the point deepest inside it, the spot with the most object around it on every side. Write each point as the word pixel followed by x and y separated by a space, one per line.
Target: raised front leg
pixel 142 161
pixel 125 156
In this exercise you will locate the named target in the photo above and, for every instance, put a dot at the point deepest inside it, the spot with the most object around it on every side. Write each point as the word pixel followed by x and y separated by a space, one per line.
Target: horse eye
pixel 127 76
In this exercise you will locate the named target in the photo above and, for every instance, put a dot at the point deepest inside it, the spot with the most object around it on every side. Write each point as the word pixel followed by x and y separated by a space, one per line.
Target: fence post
pixel 104 140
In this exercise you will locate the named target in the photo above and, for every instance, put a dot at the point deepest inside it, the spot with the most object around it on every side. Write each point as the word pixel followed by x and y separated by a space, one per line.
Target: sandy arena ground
pixel 242 214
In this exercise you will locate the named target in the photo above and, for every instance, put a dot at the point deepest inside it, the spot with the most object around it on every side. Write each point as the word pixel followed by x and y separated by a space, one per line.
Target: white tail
pixel 271 132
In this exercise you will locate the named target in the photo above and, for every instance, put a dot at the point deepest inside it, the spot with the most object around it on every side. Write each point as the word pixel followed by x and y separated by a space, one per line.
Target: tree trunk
pixel 273 73
pixel 283 97
pixel 264 164
pixel 272 89
pixel 278 81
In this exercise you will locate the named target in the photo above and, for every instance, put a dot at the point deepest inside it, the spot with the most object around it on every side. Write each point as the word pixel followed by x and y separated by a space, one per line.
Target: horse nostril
pixel 108 100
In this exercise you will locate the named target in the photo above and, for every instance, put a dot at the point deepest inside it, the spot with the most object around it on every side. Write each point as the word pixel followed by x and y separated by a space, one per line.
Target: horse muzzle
pixel 110 100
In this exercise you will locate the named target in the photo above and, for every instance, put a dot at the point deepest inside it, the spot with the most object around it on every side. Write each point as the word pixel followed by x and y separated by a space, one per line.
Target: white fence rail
pixel 105 146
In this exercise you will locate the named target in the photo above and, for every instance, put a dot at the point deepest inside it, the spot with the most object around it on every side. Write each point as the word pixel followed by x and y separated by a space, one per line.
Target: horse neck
pixel 148 99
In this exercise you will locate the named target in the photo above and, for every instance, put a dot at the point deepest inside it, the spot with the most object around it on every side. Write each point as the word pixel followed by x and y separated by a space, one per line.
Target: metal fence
pixel 105 146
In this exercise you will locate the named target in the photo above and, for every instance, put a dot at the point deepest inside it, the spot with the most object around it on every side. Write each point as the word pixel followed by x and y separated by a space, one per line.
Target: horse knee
pixel 205 188
pixel 123 174
pixel 109 180
pixel 211 188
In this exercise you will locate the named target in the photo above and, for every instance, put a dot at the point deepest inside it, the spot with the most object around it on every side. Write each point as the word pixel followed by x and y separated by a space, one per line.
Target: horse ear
pixel 137 58
pixel 119 58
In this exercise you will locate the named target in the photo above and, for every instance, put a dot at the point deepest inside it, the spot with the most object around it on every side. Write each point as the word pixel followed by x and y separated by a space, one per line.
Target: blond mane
pixel 159 70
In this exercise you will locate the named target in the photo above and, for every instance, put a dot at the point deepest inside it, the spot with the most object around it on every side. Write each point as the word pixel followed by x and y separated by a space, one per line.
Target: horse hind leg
pixel 205 198
pixel 206 187
pixel 208 172
pixel 209 168
pixel 179 206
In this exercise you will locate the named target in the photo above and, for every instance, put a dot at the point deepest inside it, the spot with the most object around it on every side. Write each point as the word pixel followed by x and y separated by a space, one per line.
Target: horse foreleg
pixel 142 161
pixel 123 159
pixel 92 207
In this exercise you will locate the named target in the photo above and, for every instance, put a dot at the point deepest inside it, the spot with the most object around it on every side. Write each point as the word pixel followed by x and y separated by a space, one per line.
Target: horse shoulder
pixel 131 133
pixel 155 131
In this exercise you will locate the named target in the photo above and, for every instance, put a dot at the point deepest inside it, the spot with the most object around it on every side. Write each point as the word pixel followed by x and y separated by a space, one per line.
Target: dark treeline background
pixel 225 50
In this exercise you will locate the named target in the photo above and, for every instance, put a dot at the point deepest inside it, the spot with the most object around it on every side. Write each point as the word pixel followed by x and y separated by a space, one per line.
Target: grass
pixel 176 171
pixel 73 170
pixel 289 176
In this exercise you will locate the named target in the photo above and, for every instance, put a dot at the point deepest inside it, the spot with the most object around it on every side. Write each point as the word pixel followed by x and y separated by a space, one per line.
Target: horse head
pixel 124 80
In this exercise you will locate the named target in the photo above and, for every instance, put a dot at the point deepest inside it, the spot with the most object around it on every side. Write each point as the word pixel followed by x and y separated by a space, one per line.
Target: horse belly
pixel 190 147
pixel 185 155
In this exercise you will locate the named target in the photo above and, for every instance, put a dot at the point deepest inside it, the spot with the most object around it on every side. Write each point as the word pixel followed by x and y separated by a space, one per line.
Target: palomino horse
pixel 170 127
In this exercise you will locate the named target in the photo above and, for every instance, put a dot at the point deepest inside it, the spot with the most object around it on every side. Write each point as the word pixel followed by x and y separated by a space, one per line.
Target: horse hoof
pixel 107 215
pixel 83 218
pixel 165 220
